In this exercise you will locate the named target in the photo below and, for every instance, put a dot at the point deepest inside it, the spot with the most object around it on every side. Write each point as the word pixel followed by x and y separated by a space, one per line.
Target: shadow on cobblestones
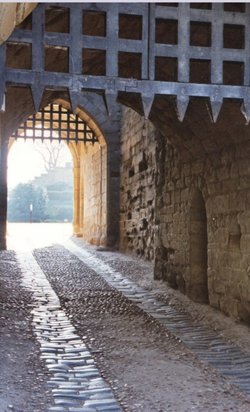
pixel 23 376
pixel 148 369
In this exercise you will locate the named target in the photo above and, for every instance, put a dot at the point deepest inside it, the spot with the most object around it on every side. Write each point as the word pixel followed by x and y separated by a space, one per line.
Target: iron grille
pixel 54 122
pixel 166 35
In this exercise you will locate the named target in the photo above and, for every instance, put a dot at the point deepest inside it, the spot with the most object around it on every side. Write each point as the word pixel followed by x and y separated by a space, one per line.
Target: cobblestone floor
pixel 23 376
pixel 101 347
pixel 147 367
pixel 205 342
pixel 76 383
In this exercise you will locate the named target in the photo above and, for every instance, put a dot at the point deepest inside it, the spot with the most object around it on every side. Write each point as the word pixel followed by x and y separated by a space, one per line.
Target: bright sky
pixel 24 162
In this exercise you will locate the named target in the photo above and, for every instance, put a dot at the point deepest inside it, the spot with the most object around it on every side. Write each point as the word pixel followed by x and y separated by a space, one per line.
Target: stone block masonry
pixel 138 170
pixel 94 177
pixel 204 229
pixel 191 217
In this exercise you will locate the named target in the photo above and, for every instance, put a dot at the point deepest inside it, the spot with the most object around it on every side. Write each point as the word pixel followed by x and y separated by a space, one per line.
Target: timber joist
pixel 182 50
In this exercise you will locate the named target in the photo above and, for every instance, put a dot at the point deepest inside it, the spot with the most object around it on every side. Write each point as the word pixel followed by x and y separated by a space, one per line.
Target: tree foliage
pixel 20 199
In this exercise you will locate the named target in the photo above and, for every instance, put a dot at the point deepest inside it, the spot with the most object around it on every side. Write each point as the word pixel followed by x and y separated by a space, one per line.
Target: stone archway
pixel 89 163
pixel 197 284
pixel 104 160
pixel 107 130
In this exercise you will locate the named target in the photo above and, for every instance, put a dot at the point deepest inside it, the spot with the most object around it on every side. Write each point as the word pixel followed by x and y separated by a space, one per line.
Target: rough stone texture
pixel 12 14
pixel 107 129
pixel 3 183
pixel 94 176
pixel 222 181
pixel 192 216
pixel 138 169
pixel 187 203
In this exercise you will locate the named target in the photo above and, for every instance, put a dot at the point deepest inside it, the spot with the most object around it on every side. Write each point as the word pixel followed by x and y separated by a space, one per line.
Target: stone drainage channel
pixel 76 383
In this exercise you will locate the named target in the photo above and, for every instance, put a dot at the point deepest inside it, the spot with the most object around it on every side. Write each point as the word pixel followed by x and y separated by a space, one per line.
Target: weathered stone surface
pixel 227 226
pixel 11 14
pixel 158 176
pixel 138 173
pixel 156 217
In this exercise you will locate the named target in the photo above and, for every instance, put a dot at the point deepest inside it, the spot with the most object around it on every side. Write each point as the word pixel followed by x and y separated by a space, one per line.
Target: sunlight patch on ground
pixel 28 236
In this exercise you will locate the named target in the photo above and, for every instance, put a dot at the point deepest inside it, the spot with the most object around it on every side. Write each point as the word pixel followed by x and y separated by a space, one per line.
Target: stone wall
pixel 191 217
pixel 94 192
pixel 202 239
pixel 138 169
pixel 12 14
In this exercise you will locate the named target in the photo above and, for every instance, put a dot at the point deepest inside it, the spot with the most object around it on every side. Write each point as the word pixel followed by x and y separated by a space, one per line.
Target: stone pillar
pixel 3 185
pixel 113 192
pixel 160 252
pixel 76 217
pixel 102 210
pixel 81 203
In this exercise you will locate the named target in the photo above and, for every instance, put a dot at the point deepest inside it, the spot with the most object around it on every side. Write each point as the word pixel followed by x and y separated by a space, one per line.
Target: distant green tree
pixel 20 199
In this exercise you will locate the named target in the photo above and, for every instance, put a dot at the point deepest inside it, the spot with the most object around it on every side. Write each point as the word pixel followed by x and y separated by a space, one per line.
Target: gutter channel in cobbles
pixel 206 344
pixel 76 383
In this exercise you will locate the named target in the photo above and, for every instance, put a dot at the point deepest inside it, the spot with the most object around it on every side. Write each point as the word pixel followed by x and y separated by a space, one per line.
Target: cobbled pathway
pixel 76 383
pixel 205 343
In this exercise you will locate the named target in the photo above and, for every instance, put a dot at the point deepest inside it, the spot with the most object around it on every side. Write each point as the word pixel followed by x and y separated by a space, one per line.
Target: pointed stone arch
pixel 90 108
pixel 197 282
pixel 88 221
pixel 107 130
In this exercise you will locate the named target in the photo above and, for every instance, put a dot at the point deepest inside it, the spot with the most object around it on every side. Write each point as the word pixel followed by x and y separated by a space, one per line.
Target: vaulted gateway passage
pixel 197 284
pixel 160 59
pixel 56 123
pixel 186 68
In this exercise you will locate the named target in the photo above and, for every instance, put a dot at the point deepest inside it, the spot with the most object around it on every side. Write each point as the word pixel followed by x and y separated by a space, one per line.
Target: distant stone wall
pixel 58 183
pixel 138 173
pixel 97 174
pixel 58 174
pixel 94 192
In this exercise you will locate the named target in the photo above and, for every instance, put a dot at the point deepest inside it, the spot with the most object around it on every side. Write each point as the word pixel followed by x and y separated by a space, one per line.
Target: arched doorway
pixel 57 122
pixel 90 180
pixel 197 284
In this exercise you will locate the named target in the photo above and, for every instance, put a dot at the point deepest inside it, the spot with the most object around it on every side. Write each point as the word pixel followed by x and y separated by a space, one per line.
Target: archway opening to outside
pixel 87 153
